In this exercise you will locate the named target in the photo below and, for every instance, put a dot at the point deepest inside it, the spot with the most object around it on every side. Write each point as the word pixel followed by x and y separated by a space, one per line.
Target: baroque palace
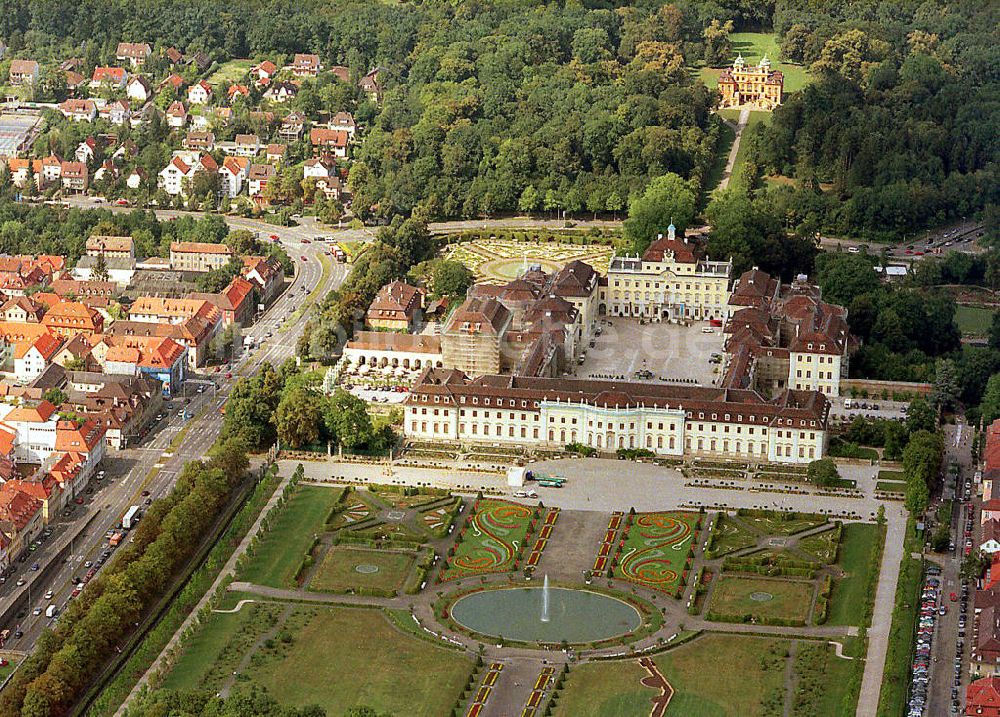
pixel 758 86
pixel 499 374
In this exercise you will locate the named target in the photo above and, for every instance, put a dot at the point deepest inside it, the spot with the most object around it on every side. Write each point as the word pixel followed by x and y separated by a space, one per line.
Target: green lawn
pixel 731 598
pixel 343 657
pixel 891 486
pixel 727 136
pixel 731 535
pixel 753 46
pixel 823 681
pixel 750 680
pixel 216 647
pixel 8 668
pixel 281 549
pixel 338 571
pixel 821 547
pixel 892 475
pixel 973 320
pixel 756 118
pixel 848 596
pixel 775 526
pixel 229 72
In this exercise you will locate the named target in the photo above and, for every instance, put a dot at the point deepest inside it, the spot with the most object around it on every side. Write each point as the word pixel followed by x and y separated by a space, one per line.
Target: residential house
pixel 74 353
pixel 74 81
pixel 113 77
pixel 236 301
pixel 304 65
pixel 232 174
pixel 135 178
pixel 372 85
pixel 31 357
pixel 341 72
pixel 172 177
pixel 108 170
pixel 117 112
pixel 177 115
pixel 120 270
pixel 194 333
pixel 68 318
pixel 275 153
pixel 267 274
pixel 139 89
pixel 174 81
pixel 174 56
pixel 344 122
pixel 292 127
pixel 989 542
pixel 51 169
pixel 75 176
pixel 22 310
pixel 21 521
pixel 200 93
pixel 110 246
pixel 332 187
pixel 317 168
pixel 236 90
pixel 86 150
pixel 23 72
pixel 258 176
pixel 198 256
pixel 247 145
pixel 200 141
pixel 265 71
pixel 328 142
pixel 281 92
pixel 79 110
pixel 135 53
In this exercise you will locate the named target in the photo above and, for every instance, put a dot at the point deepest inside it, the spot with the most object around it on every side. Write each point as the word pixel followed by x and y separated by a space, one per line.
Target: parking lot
pixel 845 408
pixel 654 351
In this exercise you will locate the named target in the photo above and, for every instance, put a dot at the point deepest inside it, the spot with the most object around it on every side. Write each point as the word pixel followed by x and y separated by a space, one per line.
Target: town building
pixel 266 272
pixel 118 247
pixel 135 53
pixel 670 420
pixel 198 256
pixel 23 72
pixel 748 85
pixel 304 65
pixel 473 339
pixel 111 77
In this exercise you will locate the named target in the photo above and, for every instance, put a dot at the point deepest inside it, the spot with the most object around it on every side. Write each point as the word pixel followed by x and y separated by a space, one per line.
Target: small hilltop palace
pixel 758 86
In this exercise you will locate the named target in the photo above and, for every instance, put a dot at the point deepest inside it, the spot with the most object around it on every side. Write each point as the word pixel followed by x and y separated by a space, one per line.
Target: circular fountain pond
pixel 573 615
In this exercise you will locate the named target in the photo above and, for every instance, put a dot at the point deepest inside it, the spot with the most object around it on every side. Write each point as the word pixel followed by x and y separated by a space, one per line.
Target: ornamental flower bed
pixel 655 550
pixel 492 540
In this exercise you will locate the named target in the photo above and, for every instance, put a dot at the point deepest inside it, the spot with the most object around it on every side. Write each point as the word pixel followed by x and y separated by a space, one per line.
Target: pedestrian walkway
pixel 727 173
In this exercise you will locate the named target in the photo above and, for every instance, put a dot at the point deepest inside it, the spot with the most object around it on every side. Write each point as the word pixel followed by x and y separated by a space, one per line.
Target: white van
pixel 50 611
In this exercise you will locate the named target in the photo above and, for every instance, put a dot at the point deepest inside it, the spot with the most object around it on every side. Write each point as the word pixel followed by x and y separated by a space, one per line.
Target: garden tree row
pixel 921 464
pixel 94 626
pixel 251 701
pixel 398 247
pixel 899 120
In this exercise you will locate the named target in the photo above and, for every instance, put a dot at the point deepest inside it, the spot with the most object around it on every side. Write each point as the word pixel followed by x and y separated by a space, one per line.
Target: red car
pixel 303 258
pixel 228 374
pixel 953 597
pixel 78 501
pixel 274 237
pixel 306 241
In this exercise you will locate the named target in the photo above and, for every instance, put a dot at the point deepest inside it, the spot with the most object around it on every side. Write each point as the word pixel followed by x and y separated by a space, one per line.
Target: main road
pixel 150 469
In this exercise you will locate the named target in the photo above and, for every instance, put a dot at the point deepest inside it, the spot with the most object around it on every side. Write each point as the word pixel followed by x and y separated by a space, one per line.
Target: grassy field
pixel 229 72
pixel 774 526
pixel 731 597
pixel 338 571
pixel 731 535
pixel 280 551
pixel 722 148
pixel 7 669
pixel 345 657
pixel 891 486
pixel 847 599
pixel 216 647
pixel 821 547
pixel 823 680
pixel 973 320
pixel 753 46
pixel 756 118
pixel 750 681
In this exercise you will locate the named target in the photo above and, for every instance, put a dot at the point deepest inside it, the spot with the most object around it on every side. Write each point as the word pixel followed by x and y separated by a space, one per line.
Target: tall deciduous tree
pixel 667 200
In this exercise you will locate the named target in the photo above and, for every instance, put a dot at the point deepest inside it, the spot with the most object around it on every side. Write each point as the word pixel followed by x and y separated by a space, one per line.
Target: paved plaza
pixel 668 351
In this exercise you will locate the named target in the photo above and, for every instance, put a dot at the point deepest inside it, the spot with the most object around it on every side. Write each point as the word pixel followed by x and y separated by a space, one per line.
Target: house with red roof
pixel 982 698
pixel 31 357
pixel 114 77
pixel 236 301
pixel 200 93
pixel 329 142
pixel 265 70
pixel 20 521
pixel 161 358
pixel 177 115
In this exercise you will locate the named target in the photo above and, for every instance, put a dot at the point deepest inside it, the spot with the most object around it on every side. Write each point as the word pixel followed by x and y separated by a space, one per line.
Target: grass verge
pixel 895 676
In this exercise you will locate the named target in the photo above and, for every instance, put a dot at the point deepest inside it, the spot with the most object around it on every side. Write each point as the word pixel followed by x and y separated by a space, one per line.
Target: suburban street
pixel 151 468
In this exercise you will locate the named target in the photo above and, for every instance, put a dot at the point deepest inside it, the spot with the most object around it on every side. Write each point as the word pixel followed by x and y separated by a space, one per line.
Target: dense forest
pixel 496 107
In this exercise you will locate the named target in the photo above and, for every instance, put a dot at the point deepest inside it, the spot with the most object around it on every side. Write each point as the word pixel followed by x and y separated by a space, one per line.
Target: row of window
pixel 828 375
